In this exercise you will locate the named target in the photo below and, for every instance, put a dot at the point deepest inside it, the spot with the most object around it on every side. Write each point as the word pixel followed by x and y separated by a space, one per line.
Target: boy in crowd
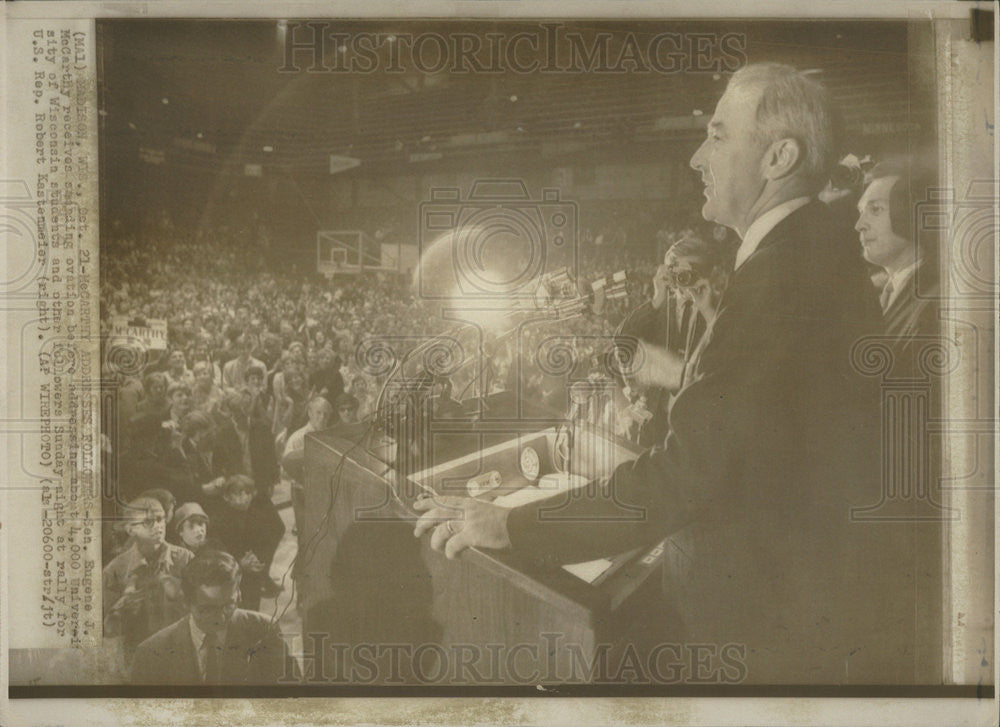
pixel 190 526
pixel 256 385
pixel 141 586
pixel 359 389
pixel 243 442
pixel 347 409
pixel 234 373
pixel 154 403
pixel 205 395
pixel 166 500
pixel 189 460
pixel 250 529
pixel 177 371
pixel 179 396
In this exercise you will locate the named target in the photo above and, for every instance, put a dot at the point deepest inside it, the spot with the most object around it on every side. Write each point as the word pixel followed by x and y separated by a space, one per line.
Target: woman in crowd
pixel 290 412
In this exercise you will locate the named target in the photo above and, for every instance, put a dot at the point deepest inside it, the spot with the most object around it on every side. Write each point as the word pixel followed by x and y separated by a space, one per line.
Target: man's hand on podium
pixel 461 522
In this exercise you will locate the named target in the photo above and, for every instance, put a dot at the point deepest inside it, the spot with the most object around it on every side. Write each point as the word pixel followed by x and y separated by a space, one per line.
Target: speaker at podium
pixel 393 611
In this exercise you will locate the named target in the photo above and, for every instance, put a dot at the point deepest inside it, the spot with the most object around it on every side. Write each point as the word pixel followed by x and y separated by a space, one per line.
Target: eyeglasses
pixel 211 610
pixel 152 521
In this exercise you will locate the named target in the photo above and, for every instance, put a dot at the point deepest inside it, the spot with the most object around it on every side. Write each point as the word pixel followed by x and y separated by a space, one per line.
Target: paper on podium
pixel 547 486
pixel 590 570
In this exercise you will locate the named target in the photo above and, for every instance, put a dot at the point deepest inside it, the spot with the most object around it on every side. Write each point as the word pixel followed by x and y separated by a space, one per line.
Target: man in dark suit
pixel 910 301
pixel 243 442
pixel 773 438
pixel 188 461
pixel 216 643
pixel 910 296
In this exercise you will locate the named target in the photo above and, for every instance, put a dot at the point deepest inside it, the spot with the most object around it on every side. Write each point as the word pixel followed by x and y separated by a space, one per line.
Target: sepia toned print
pixel 500 357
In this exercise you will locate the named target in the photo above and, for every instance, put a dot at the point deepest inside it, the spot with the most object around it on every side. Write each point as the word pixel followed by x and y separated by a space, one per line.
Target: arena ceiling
pixel 197 93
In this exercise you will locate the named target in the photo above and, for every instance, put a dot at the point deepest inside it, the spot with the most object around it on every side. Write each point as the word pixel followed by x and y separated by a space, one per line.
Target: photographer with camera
pixel 687 289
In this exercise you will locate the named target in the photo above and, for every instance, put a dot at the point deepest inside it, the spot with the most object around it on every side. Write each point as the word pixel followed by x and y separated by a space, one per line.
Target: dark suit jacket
pixel 260 528
pixel 772 442
pixel 187 471
pixel 663 326
pixel 227 455
pixel 912 318
pixel 254 654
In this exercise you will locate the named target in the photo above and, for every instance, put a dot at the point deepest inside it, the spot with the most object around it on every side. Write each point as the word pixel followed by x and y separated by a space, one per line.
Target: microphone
pixel 565 298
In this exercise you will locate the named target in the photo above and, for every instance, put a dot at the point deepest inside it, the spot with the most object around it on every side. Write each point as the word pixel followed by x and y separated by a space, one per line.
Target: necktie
pixel 886 296
pixel 212 647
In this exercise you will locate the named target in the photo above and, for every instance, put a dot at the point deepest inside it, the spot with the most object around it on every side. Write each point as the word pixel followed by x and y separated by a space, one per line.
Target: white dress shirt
pixel 898 281
pixel 764 224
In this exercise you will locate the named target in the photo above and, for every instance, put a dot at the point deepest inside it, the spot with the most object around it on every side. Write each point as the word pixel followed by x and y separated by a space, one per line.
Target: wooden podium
pixel 390 610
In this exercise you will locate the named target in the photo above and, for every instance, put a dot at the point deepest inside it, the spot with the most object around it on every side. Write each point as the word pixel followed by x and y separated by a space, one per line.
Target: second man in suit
pixel 215 643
